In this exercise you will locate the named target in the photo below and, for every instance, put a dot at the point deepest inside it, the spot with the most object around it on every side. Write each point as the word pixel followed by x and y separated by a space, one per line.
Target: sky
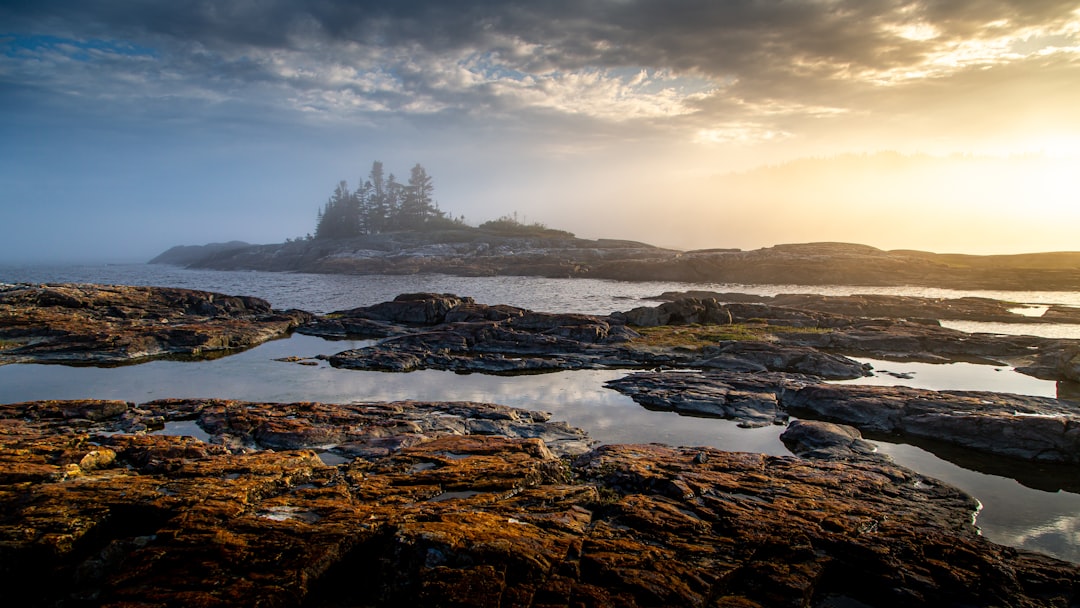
pixel 130 126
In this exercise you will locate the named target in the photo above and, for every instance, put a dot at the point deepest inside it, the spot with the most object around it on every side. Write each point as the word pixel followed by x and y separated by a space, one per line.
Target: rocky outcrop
pixel 93 512
pixel 113 324
pixel 860 336
pixel 754 400
pixel 443 331
pixel 897 307
pixel 183 255
pixel 1058 362
pixel 1015 426
pixel 1018 426
pixel 469 251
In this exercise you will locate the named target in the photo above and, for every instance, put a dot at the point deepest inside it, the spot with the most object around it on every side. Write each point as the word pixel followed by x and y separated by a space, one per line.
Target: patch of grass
pixel 6 344
pixel 698 336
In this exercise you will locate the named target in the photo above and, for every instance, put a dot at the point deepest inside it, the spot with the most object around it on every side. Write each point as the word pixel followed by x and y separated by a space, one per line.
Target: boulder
pixel 817 439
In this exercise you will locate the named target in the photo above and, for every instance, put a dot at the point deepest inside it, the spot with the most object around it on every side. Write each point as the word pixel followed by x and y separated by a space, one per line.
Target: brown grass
pixel 697 336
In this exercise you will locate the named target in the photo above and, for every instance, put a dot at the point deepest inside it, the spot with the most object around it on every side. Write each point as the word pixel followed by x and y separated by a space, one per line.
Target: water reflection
pixel 1013 514
pixel 1042 330
pixel 954 376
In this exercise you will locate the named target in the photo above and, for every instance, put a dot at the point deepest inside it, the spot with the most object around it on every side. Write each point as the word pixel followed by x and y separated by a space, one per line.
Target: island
pixel 386 227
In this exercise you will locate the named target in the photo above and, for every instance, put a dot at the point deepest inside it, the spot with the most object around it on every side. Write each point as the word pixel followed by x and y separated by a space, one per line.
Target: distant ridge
pixel 185 255
pixel 474 252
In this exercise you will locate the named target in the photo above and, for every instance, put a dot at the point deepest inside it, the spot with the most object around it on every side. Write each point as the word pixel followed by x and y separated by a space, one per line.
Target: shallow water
pixel 325 293
pixel 953 376
pixel 1043 330
pixel 1025 505
pixel 1045 519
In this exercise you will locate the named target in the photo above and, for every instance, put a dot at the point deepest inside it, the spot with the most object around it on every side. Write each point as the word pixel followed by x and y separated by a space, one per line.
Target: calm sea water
pixel 1033 507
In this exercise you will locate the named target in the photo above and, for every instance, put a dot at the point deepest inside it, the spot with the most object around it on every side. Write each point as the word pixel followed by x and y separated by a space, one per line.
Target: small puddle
pixel 953 376
pixel 453 495
pixel 332 459
pixel 285 513
pixel 1030 311
pixel 184 428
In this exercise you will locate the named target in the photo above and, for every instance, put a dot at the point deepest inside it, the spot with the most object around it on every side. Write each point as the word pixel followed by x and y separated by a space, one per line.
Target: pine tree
pixel 416 206
pixel 378 205
pixel 339 218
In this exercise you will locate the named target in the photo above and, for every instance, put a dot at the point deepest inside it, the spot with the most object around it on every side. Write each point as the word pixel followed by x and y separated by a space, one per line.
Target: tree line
pixel 381 204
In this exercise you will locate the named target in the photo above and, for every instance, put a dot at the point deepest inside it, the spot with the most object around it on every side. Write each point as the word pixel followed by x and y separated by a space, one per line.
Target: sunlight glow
pixel 995 45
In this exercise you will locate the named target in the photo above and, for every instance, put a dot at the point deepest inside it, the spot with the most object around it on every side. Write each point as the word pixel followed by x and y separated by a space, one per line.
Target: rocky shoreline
pixel 213 502
pixel 466 504
pixel 118 324
pixel 474 252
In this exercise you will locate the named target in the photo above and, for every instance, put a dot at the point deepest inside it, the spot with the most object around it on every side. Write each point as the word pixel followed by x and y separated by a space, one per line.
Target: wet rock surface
pixel 429 510
pixel 444 331
pixel 902 336
pixel 1016 426
pixel 879 305
pixel 113 324
pixel 817 439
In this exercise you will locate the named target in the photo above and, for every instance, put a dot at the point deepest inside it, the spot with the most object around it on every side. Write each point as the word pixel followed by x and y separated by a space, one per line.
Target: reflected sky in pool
pixel 1013 513
pixel 953 376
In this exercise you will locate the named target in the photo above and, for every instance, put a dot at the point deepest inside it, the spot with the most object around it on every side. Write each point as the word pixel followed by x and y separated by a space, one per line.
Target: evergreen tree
pixel 416 204
pixel 378 203
pixel 364 213
pixel 339 218
pixel 393 203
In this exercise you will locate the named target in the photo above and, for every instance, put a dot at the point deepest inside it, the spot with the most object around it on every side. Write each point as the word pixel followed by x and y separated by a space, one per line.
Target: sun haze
pixel 129 127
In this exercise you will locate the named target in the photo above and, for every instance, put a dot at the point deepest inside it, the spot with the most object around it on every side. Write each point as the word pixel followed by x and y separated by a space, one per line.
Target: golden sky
pixel 948 126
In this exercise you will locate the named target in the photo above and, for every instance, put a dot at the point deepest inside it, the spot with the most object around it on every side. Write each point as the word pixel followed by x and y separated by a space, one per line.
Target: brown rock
pixel 111 324
pixel 451 518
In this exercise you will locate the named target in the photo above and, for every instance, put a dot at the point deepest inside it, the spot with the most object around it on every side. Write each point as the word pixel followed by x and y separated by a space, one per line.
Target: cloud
pixel 737 67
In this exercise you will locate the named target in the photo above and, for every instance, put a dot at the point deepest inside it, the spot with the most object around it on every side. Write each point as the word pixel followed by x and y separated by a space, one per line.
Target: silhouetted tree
pixel 380 204
pixel 339 218
pixel 416 204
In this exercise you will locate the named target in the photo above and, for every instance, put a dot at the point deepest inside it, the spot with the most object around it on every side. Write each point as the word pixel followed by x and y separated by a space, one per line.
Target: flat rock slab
pixel 115 324
pixel 891 306
pixel 94 513
pixel 1016 426
pixel 447 332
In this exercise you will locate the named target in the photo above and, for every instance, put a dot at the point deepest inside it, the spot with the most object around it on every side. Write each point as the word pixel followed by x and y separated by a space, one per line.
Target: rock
pixel 782 358
pixel 443 331
pixel 879 305
pixel 442 516
pixel 1017 426
pixel 463 336
pixel 1060 362
pixel 468 337
pixel 819 328
pixel 754 400
pixel 816 439
pixel 111 324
